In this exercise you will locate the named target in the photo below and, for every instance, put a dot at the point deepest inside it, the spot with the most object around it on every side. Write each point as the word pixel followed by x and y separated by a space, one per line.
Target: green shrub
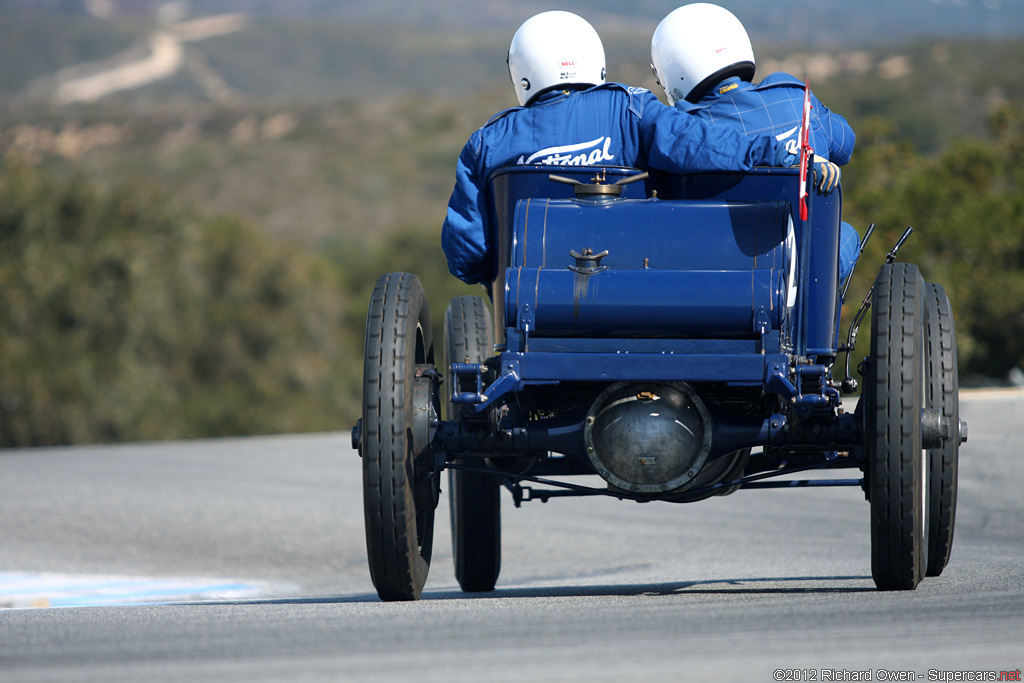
pixel 123 318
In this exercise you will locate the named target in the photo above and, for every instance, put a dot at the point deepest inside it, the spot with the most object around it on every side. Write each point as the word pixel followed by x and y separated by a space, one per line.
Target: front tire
pixel 474 497
pixel 895 393
pixel 399 497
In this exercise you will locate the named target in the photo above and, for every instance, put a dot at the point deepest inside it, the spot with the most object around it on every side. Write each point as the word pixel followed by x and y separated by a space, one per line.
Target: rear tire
pixel 943 391
pixel 399 497
pixel 895 462
pixel 474 497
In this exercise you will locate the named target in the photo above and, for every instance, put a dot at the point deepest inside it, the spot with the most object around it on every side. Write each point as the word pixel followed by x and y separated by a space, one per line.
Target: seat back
pixel 716 255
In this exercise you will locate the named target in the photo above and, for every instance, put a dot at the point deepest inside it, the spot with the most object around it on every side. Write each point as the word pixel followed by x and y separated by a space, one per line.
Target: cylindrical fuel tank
pixel 700 269
pixel 638 303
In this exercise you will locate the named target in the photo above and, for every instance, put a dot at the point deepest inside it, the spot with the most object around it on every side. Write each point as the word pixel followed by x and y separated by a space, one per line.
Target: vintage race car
pixel 678 336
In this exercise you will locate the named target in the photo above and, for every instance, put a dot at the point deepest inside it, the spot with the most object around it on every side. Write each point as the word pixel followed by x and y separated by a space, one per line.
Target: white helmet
pixel 697 46
pixel 552 49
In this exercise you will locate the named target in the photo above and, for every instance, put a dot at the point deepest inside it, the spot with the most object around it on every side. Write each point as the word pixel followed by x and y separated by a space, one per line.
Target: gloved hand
pixel 826 174
pixel 785 156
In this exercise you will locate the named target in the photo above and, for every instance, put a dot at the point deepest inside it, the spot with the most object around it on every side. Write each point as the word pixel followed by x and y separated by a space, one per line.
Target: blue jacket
pixel 611 125
pixel 775 107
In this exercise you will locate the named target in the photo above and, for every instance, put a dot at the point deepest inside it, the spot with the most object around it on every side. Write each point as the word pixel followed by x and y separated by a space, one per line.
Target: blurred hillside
pixel 321 48
pixel 783 20
pixel 308 168
pixel 309 146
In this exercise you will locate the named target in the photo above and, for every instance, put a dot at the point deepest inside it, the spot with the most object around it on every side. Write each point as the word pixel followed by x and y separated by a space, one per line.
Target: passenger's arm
pixel 464 233
pixel 678 142
pixel 839 133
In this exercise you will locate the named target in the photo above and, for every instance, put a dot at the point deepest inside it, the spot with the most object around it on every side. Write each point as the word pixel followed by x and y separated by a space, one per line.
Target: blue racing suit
pixel 775 107
pixel 611 125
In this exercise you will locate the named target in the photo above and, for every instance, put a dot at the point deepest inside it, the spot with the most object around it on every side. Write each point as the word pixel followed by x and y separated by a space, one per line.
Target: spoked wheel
pixel 895 462
pixel 399 404
pixel 943 389
pixel 473 496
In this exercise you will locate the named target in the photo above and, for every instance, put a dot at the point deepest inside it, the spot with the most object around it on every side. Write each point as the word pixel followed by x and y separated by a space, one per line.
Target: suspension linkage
pixel 522 494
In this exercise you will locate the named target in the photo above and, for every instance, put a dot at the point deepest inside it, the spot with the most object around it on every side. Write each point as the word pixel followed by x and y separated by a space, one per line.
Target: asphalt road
pixel 244 560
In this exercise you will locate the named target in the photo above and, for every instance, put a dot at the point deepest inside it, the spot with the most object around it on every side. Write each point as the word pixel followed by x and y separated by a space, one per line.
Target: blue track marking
pixel 21 590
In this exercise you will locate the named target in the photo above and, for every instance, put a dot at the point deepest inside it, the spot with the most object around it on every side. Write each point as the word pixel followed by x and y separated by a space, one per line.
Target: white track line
pixel 25 589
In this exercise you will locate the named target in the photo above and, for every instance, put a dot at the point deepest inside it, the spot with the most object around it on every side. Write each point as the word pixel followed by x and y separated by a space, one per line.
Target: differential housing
pixel 648 437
